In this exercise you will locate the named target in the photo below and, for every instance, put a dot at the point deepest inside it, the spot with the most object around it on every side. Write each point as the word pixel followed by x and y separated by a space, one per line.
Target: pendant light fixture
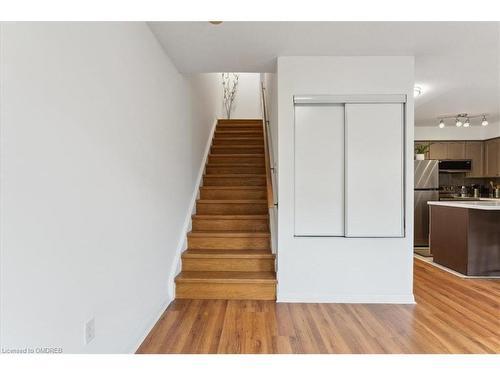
pixel 441 124
pixel 458 123
pixel 467 123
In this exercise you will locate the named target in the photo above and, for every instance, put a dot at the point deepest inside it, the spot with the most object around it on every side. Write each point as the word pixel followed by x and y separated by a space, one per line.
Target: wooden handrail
pixel 269 180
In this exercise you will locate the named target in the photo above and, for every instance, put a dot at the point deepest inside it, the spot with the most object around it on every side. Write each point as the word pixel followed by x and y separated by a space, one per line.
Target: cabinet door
pixel 474 150
pixel 374 170
pixel 319 170
pixel 491 150
pixel 498 156
pixel 438 150
pixel 455 150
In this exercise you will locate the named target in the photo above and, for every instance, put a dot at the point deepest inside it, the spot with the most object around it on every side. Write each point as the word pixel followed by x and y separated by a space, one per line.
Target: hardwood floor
pixel 452 315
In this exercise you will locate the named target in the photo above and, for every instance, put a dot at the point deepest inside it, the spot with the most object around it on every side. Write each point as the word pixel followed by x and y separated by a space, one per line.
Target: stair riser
pixel 211 169
pixel 237 150
pixel 253 127
pixel 237 121
pixel 238 142
pixel 256 225
pixel 238 134
pixel 229 243
pixel 221 159
pixel 232 194
pixel 204 290
pixel 234 181
pixel 227 264
pixel 231 208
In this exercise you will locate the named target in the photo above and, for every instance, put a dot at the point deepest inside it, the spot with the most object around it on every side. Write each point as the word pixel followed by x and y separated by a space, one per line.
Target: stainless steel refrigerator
pixel 426 189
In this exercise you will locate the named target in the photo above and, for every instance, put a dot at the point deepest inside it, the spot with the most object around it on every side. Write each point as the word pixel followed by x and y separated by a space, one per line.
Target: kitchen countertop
pixel 475 205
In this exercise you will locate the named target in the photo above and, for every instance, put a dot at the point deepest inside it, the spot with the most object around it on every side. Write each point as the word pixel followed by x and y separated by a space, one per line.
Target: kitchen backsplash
pixel 459 179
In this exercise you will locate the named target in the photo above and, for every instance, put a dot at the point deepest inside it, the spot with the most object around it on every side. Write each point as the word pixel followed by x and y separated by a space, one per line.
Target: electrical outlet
pixel 89 331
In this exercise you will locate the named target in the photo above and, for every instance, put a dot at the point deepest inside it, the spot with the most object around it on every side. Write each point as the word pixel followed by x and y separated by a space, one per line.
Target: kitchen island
pixel 465 236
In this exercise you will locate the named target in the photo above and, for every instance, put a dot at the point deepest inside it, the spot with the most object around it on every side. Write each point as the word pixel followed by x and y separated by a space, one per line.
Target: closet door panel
pixel 319 170
pixel 374 170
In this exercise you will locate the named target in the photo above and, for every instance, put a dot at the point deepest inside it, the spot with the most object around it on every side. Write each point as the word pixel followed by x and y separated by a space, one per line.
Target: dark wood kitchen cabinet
pixel 466 240
pixel 474 150
pixel 438 150
pixel 447 150
pixel 455 150
pixel 492 157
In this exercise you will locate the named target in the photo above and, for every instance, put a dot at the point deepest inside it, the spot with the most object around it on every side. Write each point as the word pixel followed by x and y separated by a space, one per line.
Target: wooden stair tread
pixel 232 156
pixel 233 187
pixel 238 120
pixel 216 165
pixel 230 217
pixel 203 233
pixel 240 254
pixel 243 138
pixel 232 201
pixel 237 146
pixel 235 175
pixel 226 277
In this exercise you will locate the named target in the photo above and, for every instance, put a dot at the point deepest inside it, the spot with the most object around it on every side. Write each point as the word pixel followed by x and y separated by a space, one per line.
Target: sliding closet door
pixel 374 170
pixel 319 170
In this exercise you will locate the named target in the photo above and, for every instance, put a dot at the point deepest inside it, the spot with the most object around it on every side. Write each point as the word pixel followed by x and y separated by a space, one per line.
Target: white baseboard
pixel 154 319
pixel 181 244
pixel 355 298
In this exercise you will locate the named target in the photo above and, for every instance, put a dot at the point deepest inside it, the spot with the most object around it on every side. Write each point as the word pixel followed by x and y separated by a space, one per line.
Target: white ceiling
pixel 456 63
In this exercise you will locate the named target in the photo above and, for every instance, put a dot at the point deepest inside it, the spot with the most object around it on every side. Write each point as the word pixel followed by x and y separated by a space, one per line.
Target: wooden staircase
pixel 229 248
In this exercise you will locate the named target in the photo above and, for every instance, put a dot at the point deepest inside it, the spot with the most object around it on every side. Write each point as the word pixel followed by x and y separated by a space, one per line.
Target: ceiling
pixel 457 64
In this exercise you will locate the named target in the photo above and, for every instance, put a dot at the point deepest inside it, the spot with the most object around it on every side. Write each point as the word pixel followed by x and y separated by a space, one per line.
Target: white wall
pixel 341 269
pixel 451 132
pixel 247 101
pixel 98 162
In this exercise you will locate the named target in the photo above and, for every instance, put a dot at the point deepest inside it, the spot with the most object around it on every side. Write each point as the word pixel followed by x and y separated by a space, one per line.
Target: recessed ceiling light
pixel 215 22
pixel 417 91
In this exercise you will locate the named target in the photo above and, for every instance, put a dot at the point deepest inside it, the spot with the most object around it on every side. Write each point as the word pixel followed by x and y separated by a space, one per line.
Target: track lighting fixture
pixel 462 120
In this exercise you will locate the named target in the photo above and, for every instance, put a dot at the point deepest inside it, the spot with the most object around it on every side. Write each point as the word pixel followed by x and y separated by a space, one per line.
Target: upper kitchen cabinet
pixel 474 150
pixel 455 150
pixel 492 157
pixel 438 150
pixel 447 150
